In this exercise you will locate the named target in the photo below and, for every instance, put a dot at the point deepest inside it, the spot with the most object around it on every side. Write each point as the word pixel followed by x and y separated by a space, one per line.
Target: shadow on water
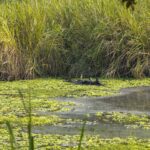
pixel 131 100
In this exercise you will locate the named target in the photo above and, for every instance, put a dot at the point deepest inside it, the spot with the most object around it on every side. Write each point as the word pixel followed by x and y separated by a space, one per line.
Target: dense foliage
pixel 61 37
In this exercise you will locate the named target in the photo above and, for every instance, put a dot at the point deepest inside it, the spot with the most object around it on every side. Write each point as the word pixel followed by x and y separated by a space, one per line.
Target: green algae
pixel 43 92
pixel 13 105
pixel 66 142
pixel 37 120
pixel 51 87
pixel 128 119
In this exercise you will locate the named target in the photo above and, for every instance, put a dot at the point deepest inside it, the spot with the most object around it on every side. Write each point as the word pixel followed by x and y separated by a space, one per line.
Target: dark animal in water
pixel 87 82
pixel 87 73
pixel 129 3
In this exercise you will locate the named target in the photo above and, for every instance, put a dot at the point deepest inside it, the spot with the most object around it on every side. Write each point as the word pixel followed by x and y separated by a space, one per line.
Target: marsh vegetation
pixel 89 37
pixel 71 40
pixel 58 114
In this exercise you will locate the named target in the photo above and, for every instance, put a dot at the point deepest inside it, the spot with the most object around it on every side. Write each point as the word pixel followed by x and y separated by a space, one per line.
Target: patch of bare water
pixel 131 100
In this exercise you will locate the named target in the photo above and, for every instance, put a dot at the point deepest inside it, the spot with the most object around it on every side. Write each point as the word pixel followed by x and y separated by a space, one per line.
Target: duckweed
pixel 66 142
pixel 134 120
pixel 43 94
pixel 51 87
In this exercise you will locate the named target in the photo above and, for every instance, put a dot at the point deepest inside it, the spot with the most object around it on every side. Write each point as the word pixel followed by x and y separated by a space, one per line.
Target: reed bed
pixel 73 37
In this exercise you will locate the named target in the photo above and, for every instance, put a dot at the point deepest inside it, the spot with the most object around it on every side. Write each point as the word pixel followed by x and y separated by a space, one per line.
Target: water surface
pixel 131 100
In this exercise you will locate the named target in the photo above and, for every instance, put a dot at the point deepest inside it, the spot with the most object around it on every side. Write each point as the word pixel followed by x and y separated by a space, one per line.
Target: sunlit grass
pixel 42 37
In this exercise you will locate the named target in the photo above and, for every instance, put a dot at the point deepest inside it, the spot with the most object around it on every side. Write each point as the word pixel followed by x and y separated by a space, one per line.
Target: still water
pixel 131 100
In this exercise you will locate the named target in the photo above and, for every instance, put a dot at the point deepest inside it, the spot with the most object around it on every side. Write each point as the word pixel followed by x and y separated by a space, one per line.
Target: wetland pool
pixel 132 102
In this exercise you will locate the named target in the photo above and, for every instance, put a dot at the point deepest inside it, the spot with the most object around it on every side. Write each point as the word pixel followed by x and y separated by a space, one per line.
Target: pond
pixel 129 104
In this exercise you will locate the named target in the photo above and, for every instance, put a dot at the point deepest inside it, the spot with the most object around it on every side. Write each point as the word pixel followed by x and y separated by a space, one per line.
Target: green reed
pixel 61 37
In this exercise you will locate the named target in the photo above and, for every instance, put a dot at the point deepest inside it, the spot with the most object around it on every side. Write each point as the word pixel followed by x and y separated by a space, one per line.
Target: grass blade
pixel 11 134
pixel 81 135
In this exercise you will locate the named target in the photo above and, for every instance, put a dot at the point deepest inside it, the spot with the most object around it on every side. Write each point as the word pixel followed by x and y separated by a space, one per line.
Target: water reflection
pixel 132 100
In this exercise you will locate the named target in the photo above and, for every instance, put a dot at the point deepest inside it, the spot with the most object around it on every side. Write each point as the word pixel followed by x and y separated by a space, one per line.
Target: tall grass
pixel 28 110
pixel 61 37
